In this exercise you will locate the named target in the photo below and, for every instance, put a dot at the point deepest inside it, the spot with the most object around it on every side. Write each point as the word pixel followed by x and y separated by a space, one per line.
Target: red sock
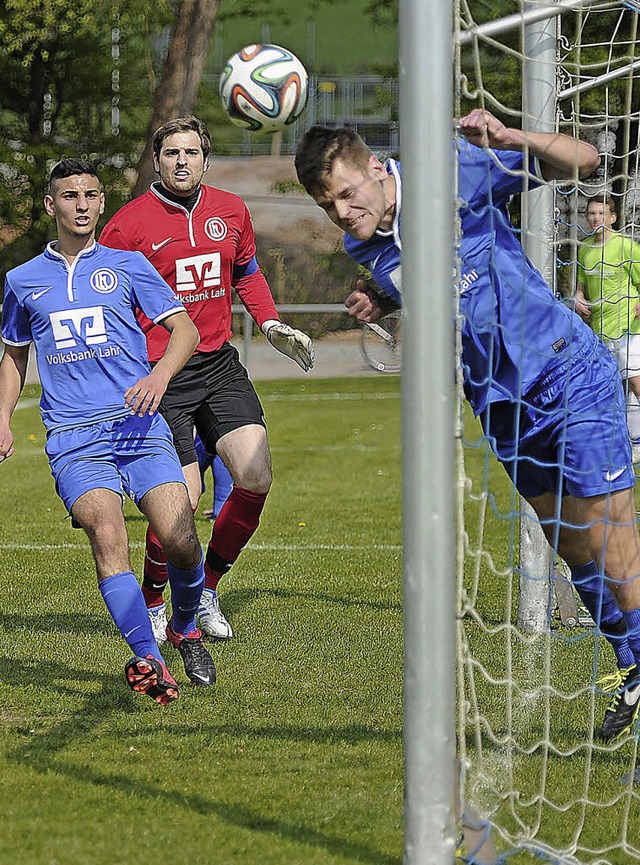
pixel 155 570
pixel 236 522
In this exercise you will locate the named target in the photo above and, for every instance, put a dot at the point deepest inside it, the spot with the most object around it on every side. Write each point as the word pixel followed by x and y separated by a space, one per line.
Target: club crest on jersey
pixel 104 280
pixel 215 228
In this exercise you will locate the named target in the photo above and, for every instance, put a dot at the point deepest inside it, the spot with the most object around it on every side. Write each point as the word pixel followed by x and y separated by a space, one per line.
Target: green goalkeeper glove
pixel 294 343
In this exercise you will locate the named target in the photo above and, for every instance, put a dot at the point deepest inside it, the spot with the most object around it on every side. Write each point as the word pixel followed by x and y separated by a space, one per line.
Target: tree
pixel 61 62
pixel 177 91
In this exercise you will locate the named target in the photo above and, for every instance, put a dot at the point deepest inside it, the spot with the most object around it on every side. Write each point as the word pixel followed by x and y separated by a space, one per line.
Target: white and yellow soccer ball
pixel 264 88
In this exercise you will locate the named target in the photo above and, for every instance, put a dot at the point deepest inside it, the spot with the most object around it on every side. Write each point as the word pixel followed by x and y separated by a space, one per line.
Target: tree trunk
pixel 177 91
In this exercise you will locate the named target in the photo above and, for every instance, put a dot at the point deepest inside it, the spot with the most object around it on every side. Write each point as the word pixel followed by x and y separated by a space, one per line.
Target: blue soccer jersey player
pixel 525 356
pixel 222 480
pixel 76 303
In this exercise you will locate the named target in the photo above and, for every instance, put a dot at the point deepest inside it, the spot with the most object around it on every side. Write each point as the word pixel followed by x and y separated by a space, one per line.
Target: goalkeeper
pixel 607 299
pixel 525 355
pixel 201 241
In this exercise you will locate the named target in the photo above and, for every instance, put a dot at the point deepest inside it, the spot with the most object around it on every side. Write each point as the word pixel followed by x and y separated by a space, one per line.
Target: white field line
pixel 327 397
pixel 27 403
pixel 257 547
pixel 280 397
pixel 337 447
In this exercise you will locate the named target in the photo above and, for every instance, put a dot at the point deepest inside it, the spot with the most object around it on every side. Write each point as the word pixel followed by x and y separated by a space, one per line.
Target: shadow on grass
pixel 113 695
pixel 236 600
pixel 42 752
pixel 71 623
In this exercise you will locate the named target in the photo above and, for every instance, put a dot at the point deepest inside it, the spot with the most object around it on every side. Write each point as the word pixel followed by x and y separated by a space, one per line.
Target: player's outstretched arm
pixel 291 342
pixel 561 156
pixel 13 370
pixel 145 395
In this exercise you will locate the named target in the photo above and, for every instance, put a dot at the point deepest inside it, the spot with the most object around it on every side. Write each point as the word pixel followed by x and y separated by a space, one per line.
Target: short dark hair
pixel 70 167
pixel 182 124
pixel 318 149
pixel 604 198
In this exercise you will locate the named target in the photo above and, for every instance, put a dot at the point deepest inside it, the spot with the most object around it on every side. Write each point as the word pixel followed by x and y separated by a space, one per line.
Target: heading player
pixel 201 241
pixel 552 405
pixel 76 303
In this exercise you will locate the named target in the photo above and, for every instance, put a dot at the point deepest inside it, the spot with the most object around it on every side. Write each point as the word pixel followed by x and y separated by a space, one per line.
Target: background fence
pixel 366 103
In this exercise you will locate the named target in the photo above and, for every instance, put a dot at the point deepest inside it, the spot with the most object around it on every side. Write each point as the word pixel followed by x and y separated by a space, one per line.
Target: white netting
pixel 528 703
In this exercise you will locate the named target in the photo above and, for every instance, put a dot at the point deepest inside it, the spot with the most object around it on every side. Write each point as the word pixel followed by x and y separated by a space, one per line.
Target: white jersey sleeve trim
pixel 168 313
pixel 16 344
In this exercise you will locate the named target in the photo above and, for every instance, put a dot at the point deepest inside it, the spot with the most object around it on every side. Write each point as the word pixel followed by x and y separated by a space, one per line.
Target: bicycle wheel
pixel 382 343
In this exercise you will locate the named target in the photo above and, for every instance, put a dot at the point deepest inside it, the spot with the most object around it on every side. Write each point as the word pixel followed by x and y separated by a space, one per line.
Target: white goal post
pixel 528 696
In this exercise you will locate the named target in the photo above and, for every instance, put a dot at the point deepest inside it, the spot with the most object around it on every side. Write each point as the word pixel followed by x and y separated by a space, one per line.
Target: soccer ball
pixel 263 88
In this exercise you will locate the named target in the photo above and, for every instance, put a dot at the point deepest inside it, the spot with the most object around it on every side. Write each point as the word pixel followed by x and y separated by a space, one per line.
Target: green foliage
pixel 62 68
pixel 297 274
pixel 330 37
pixel 284 187
pixel 60 74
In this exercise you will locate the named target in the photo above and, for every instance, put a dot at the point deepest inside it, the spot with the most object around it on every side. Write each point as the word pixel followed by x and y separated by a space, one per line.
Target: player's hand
pixel 637 310
pixel 6 442
pixel 144 396
pixel 294 343
pixel 583 310
pixel 481 128
pixel 362 303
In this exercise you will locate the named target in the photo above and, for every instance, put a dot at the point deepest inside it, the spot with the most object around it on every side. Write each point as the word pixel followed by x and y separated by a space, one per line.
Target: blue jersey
pixel 380 254
pixel 81 317
pixel 514 330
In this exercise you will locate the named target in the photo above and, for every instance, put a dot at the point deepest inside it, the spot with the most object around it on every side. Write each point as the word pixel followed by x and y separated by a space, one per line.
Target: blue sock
pixel 597 598
pixel 632 618
pixel 125 602
pixel 186 588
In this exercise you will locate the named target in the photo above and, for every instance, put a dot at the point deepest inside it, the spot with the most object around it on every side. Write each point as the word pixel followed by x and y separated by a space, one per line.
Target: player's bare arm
pixel 13 370
pixel 145 395
pixel 560 155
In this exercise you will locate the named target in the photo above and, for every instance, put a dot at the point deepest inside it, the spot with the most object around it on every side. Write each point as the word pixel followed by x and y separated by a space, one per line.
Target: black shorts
pixel 214 394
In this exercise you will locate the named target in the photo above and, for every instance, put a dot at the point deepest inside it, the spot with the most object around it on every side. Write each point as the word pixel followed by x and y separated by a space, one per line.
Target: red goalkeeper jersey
pixel 202 254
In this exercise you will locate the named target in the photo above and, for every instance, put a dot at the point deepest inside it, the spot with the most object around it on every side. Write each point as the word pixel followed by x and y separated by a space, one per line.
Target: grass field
pixel 296 756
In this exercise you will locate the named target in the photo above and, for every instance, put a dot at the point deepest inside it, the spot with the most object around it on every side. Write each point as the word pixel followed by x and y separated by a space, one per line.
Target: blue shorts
pixel 569 434
pixel 130 455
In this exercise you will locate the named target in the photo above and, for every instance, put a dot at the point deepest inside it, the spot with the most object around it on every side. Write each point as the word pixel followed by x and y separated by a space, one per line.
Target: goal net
pixel 531 662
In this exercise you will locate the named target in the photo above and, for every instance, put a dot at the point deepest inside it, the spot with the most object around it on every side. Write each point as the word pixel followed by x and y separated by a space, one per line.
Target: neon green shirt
pixel 610 275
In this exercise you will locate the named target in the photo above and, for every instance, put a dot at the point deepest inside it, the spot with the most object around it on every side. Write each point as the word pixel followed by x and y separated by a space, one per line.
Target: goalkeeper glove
pixel 294 343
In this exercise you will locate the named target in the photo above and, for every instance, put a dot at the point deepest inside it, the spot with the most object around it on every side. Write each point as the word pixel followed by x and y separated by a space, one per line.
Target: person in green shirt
pixel 607 298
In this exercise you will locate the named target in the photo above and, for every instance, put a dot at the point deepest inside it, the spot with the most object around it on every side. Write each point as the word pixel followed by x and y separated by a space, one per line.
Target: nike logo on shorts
pixel 613 476
pixel 156 246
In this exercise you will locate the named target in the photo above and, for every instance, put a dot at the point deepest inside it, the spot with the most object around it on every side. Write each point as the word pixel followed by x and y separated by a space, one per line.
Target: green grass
pixel 296 755
pixel 295 758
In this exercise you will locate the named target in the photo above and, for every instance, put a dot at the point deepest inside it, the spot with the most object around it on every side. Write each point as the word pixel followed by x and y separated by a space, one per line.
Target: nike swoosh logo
pixel 612 476
pixel 158 586
pixel 128 634
pixel 36 294
pixel 156 246
pixel 631 695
